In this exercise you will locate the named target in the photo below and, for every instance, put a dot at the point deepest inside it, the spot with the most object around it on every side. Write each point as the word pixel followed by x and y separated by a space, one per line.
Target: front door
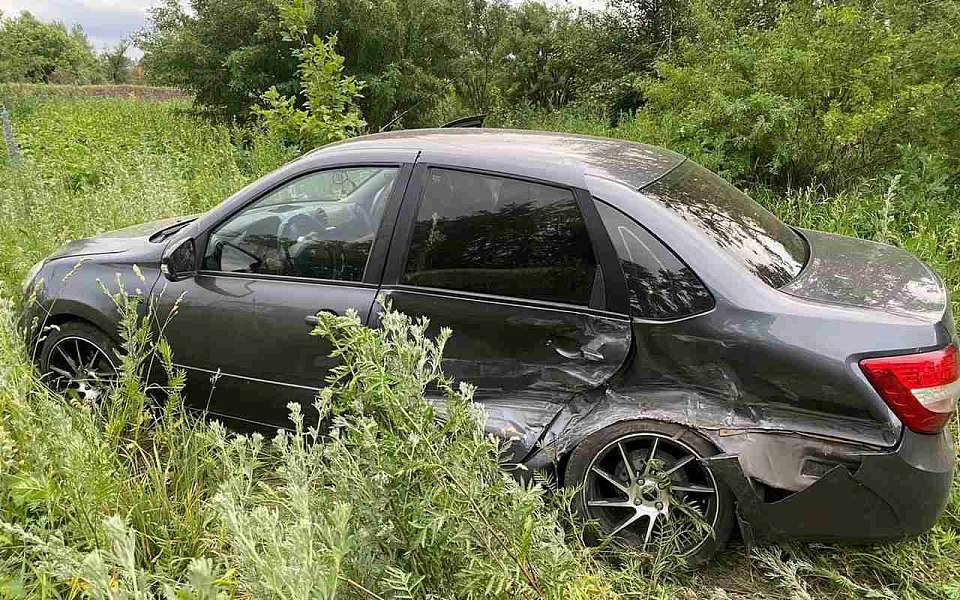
pixel 242 328
pixel 509 265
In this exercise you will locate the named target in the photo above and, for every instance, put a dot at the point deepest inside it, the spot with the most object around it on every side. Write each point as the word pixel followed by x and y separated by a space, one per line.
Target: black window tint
pixel 659 285
pixel 500 236
pixel 319 226
pixel 737 224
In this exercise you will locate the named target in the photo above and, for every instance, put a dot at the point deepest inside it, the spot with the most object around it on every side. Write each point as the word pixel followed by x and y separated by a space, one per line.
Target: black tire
pixel 597 455
pixel 59 347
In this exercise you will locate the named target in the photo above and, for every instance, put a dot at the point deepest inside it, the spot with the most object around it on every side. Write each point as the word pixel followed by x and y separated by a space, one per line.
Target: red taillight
pixel 922 389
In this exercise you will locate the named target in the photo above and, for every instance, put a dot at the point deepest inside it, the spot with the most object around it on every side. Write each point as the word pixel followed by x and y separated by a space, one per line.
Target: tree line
pixel 32 51
pixel 421 60
pixel 785 93
pixel 780 93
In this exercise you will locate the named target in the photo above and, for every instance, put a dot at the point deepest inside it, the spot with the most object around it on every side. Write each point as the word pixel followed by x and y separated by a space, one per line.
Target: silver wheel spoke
pixel 673 486
pixel 629 521
pixel 679 465
pixel 93 360
pixel 60 372
pixel 89 368
pixel 653 453
pixel 646 538
pixel 69 360
pixel 626 463
pixel 611 479
pixel 607 503
pixel 697 489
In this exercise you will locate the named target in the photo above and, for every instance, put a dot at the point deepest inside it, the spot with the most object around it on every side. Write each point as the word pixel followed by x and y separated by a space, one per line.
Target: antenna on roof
pixel 398 117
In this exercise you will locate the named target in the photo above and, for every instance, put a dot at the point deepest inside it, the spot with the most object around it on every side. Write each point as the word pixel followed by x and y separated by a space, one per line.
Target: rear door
pixel 525 275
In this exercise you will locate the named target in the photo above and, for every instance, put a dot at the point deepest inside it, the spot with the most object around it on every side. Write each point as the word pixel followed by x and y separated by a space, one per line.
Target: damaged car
pixel 633 323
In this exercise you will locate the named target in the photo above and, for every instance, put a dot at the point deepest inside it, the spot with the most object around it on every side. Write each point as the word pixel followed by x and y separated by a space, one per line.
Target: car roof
pixel 633 164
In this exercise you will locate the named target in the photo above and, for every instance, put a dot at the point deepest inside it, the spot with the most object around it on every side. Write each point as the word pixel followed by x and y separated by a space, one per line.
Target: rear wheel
pixel 645 484
pixel 78 361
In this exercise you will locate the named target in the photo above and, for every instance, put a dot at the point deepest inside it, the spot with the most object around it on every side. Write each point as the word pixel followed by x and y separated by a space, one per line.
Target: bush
pixel 329 112
pixel 824 95
pixel 131 498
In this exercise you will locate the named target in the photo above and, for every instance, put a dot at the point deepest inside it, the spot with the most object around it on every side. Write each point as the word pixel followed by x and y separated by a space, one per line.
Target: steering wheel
pixel 294 229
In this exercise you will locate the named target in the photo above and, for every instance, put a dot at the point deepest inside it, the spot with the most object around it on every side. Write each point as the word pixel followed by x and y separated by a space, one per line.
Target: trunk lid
pixel 866 274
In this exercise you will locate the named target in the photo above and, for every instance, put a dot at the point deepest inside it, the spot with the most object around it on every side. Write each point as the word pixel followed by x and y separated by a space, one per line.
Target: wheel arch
pixel 774 444
pixel 70 314
pixel 75 311
pixel 618 420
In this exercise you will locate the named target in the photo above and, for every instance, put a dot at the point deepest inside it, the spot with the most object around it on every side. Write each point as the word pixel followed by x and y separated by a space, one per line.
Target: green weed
pixel 130 500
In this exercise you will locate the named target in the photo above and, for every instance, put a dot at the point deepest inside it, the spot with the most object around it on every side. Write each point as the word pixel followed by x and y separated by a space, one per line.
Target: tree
pixel 482 26
pixel 115 65
pixel 821 93
pixel 546 55
pixel 228 52
pixel 33 51
pixel 329 97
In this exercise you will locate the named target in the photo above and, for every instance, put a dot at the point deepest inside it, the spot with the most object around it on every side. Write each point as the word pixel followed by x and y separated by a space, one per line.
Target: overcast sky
pixel 106 22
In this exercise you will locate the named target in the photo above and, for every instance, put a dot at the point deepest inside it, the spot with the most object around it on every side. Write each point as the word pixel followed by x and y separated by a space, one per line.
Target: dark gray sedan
pixel 631 321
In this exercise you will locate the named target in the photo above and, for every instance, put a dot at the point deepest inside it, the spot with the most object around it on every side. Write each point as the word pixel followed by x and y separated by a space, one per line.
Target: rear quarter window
pixel 739 226
pixel 659 285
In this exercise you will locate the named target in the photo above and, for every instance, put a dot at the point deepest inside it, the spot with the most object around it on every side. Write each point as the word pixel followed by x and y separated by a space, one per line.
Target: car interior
pixel 319 226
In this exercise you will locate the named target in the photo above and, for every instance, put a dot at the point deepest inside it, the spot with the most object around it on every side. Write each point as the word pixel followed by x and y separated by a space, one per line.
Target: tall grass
pixel 138 499
pixel 97 164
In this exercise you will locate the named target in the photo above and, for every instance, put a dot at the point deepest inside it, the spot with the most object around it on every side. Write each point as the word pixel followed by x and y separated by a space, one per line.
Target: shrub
pixel 329 112
pixel 824 95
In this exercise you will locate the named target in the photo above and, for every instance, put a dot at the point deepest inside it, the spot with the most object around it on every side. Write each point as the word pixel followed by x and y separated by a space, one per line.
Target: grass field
pixel 94 164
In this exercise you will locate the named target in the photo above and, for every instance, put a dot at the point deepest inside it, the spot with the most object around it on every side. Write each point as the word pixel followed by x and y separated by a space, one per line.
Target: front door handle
pixel 312 320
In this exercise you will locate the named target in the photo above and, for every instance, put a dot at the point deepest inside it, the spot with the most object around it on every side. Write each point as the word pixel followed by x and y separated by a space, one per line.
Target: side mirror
pixel 179 261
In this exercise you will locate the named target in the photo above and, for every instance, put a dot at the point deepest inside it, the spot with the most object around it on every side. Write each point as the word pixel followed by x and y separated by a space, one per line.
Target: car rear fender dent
pixel 704 411
pixel 517 422
pixel 784 448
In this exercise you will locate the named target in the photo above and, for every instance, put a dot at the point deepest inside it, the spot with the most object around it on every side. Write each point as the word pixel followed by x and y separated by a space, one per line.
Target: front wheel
pixel 78 361
pixel 645 484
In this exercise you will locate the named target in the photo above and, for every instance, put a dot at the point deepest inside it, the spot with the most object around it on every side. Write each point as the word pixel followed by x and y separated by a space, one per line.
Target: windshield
pixel 738 225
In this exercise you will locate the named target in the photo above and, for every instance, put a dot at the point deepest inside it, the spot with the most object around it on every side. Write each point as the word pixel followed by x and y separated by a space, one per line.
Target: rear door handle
pixel 312 320
pixel 584 353
pixel 591 355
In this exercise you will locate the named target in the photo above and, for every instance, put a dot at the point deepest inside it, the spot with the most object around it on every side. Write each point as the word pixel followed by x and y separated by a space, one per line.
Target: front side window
pixel 494 235
pixel 659 285
pixel 319 226
pixel 738 225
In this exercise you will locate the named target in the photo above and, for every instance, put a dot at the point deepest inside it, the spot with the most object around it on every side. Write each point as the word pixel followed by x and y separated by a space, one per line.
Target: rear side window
pixel 495 235
pixel 659 285
pixel 738 225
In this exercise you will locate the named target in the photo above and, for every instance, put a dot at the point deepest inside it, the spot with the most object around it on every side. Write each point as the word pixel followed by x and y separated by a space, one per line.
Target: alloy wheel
pixel 650 489
pixel 80 369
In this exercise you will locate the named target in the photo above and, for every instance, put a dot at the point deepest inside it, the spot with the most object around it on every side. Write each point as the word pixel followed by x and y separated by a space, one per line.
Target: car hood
pixel 865 274
pixel 122 240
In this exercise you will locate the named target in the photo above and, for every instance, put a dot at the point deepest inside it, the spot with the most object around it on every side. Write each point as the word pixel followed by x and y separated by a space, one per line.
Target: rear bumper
pixel 891 495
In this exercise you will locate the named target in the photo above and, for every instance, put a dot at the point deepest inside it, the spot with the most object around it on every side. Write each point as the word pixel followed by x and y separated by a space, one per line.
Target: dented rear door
pixel 515 269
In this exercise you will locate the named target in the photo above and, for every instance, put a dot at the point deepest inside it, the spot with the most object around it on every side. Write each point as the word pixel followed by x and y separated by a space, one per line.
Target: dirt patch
pixel 139 92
